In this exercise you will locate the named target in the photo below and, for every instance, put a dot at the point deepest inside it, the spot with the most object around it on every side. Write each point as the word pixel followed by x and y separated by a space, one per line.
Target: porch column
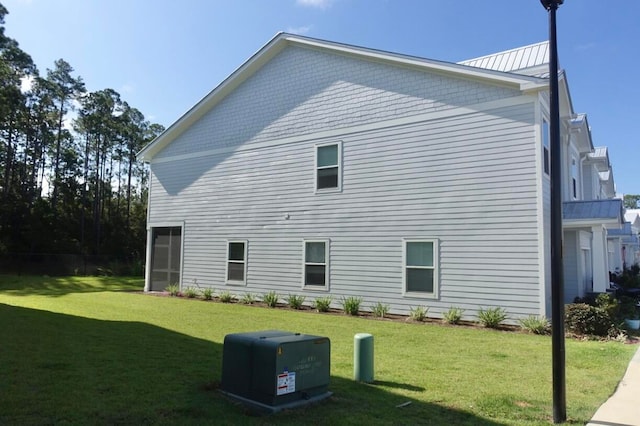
pixel 600 262
pixel 147 262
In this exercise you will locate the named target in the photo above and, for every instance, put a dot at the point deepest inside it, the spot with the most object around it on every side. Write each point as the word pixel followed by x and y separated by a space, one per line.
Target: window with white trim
pixel 546 156
pixel 574 178
pixel 328 167
pixel 316 264
pixel 420 258
pixel 236 262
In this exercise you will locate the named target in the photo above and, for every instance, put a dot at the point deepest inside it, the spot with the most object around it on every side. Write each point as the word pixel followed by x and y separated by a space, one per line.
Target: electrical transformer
pixel 273 370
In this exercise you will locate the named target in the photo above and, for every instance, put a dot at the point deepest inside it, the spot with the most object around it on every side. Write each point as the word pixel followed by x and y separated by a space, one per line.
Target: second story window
pixel 574 178
pixel 328 173
pixel 546 157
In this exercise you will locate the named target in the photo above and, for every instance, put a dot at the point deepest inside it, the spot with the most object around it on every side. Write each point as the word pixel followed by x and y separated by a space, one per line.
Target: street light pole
pixel 557 284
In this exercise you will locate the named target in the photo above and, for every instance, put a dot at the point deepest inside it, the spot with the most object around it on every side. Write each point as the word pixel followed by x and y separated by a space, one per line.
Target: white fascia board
pixel 587 223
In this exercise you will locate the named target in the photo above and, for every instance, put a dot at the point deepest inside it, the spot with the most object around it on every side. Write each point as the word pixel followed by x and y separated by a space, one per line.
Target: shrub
pixel 173 290
pixel 322 304
pixel 418 313
pixel 453 315
pixel 295 301
pixel 534 324
pixel 225 296
pixel 271 299
pixel 351 305
pixel 207 293
pixel 492 317
pixel 580 318
pixel 191 292
pixel 248 299
pixel 608 303
pixel 380 310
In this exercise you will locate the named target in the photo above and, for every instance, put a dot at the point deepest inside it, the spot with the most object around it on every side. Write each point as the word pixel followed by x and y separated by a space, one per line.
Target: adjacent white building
pixel 324 169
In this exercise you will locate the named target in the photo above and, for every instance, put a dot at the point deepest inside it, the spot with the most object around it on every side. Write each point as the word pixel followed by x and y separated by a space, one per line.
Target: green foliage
pixel 588 320
pixel 295 301
pixel 453 315
pixel 418 313
pixel 271 299
pixel 380 310
pixel 351 305
pixel 631 201
pixel 225 296
pixel 492 317
pixel 322 304
pixel 191 292
pixel 207 293
pixel 628 308
pixel 535 324
pixel 248 299
pixel 173 290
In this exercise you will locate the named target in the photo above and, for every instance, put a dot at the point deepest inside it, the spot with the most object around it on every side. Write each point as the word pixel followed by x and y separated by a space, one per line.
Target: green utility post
pixel 363 357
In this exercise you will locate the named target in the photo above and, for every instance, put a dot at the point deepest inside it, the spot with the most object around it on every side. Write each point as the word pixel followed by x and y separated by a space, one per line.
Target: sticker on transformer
pixel 286 383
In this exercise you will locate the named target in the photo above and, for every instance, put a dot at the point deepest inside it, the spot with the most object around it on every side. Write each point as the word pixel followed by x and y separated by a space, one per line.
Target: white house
pixel 325 169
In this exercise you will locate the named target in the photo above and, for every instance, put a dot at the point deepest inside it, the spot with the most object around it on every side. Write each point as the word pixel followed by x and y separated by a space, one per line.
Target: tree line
pixel 68 185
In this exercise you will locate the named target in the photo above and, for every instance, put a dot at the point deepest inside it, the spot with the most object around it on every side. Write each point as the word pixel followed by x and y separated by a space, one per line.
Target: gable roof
pixel 283 40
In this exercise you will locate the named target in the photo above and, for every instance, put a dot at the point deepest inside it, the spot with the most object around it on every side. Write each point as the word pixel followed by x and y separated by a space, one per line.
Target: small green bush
pixel 173 290
pixel 295 301
pixel 322 304
pixel 207 293
pixel 191 292
pixel 225 296
pixel 583 319
pixel 492 317
pixel 351 305
pixel 535 324
pixel 418 313
pixel 271 299
pixel 248 299
pixel 453 315
pixel 380 310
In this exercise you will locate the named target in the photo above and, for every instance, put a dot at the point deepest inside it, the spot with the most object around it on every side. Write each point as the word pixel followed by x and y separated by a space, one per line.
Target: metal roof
pixel 625 230
pixel 519 59
pixel 606 210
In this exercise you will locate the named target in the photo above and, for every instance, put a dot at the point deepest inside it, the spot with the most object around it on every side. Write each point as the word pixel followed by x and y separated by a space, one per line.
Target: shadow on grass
pixel 66 369
pixel 29 285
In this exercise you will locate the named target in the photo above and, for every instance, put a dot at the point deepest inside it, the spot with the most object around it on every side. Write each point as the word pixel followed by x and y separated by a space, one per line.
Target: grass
pixel 85 351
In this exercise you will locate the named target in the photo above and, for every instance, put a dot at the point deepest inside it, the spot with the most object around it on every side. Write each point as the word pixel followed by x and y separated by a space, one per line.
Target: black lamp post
pixel 557 284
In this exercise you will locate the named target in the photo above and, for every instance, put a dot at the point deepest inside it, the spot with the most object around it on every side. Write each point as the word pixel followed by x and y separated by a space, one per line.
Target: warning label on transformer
pixel 286 383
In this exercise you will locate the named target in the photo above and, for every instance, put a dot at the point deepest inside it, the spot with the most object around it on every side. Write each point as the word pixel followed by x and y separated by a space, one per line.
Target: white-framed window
pixel 574 178
pixel 328 166
pixel 236 262
pixel 546 147
pixel 315 268
pixel 420 267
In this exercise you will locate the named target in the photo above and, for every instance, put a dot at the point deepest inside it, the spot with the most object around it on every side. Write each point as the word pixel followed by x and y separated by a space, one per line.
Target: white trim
pixel 316 168
pixel 245 262
pixel 342 132
pixel 327 269
pixel 436 268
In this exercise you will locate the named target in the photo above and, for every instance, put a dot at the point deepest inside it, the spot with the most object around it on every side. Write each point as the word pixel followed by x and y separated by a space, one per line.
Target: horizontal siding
pixel 467 180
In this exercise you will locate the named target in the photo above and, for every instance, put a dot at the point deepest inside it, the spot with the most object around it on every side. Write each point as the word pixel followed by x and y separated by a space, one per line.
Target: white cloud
pixel 299 30
pixel 318 4
pixel 127 88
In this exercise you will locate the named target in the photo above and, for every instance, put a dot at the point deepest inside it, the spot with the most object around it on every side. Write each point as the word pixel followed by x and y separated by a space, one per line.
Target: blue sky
pixel 163 56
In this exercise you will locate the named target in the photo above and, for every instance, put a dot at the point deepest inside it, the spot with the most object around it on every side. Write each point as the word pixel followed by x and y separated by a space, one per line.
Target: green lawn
pixel 84 350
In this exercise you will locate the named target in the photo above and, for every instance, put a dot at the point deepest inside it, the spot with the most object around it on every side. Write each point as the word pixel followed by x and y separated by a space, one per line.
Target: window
pixel 316 264
pixel 328 166
pixel 574 178
pixel 545 147
pixel 236 262
pixel 421 267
